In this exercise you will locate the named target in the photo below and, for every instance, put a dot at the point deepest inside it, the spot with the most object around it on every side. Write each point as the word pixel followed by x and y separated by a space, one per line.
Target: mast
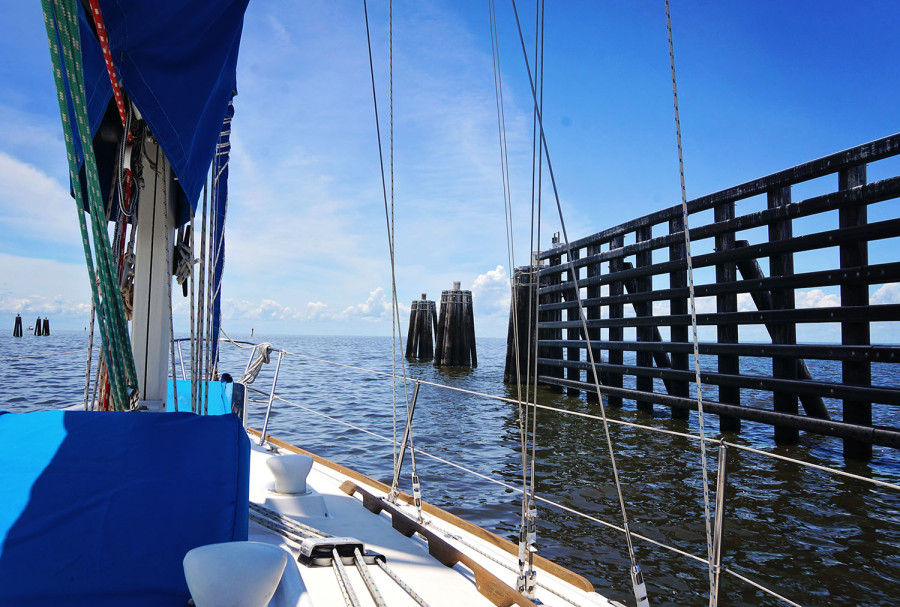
pixel 155 236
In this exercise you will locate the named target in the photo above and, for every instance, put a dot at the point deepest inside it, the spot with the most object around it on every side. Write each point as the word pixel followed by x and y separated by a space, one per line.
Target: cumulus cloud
pixel 43 306
pixel 491 293
pixel 377 307
pixel 43 287
pixel 816 298
pixel 34 204
pixel 886 294
pixel 745 303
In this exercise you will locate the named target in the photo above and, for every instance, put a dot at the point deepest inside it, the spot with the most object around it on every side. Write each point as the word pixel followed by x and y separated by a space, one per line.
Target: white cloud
pixel 816 298
pixel 43 287
pixel 886 294
pixel 377 307
pixel 491 293
pixel 34 204
pixel 43 306
pixel 745 303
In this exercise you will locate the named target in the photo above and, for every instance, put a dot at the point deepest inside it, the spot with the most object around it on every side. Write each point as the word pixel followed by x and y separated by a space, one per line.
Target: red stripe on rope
pixel 107 55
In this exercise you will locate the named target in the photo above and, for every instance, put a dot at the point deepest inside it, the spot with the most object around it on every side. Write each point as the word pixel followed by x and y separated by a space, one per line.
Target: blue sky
pixel 762 86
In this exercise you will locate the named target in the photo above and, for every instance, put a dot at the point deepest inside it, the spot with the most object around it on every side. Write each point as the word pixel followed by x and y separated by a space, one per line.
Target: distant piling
pixel 455 345
pixel 46 329
pixel 422 320
pixel 521 338
pixel 17 327
pixel 38 327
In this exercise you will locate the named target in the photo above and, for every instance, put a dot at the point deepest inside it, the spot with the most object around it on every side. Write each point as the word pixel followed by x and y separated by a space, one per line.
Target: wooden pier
pixel 633 281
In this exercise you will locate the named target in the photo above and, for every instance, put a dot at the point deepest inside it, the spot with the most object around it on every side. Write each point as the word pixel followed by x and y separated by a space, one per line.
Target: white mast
pixel 155 236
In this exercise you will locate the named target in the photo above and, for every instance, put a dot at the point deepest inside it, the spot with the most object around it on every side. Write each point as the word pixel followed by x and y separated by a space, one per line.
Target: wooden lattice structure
pixel 633 279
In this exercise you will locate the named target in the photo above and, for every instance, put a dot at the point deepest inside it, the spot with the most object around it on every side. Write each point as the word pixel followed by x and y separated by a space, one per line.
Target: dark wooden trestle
pixel 637 308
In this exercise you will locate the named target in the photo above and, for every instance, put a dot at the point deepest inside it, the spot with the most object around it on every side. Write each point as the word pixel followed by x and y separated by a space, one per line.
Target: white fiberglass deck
pixel 346 516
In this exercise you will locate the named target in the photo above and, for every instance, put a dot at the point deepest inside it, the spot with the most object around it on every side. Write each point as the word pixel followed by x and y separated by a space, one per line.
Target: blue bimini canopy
pixel 176 61
pixel 100 508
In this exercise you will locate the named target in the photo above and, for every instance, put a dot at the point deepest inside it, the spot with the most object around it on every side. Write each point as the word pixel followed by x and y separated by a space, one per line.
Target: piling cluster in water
pixel 41 326
pixel 454 330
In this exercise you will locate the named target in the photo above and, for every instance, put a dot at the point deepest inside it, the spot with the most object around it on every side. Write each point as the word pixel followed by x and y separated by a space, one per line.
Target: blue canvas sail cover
pixel 176 61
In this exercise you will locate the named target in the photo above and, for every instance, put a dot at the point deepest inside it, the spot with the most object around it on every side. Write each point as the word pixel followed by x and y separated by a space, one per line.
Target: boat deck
pixel 408 557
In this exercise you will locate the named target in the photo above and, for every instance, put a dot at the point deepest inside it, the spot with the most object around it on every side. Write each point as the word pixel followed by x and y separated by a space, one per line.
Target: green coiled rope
pixel 61 21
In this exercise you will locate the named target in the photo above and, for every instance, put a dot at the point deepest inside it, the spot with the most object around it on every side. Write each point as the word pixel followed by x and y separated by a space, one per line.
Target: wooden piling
pixel 46 329
pixel 616 311
pixel 573 372
pixel 551 352
pixel 455 345
pixel 17 326
pixel 594 312
pixel 855 255
pixel 783 367
pixel 644 284
pixel 521 339
pixel 727 333
pixel 38 327
pixel 419 344
pixel 652 333
pixel 678 305
pixel 750 270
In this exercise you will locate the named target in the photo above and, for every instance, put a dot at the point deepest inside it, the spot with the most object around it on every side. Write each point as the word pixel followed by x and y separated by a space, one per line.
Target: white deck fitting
pixel 437 584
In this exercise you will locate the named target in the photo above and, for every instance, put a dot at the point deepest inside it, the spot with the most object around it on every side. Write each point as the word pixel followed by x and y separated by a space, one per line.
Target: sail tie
pixel 260 357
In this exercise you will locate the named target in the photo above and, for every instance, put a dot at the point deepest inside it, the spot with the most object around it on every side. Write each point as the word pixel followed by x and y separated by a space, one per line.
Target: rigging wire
pixel 539 498
pixel 394 345
pixel 90 352
pixel 596 418
pixel 510 248
pixel 637 576
pixel 539 76
pixel 191 288
pixel 166 168
pixel 713 599
pixel 388 214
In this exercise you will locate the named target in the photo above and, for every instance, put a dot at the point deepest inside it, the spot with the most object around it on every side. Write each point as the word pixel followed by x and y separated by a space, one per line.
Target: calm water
pixel 817 539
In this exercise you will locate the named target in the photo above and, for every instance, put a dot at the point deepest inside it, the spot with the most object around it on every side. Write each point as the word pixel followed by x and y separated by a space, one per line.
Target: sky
pixel 762 86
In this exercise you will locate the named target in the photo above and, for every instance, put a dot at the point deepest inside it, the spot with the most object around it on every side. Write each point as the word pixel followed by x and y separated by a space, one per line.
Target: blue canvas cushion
pixel 99 508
